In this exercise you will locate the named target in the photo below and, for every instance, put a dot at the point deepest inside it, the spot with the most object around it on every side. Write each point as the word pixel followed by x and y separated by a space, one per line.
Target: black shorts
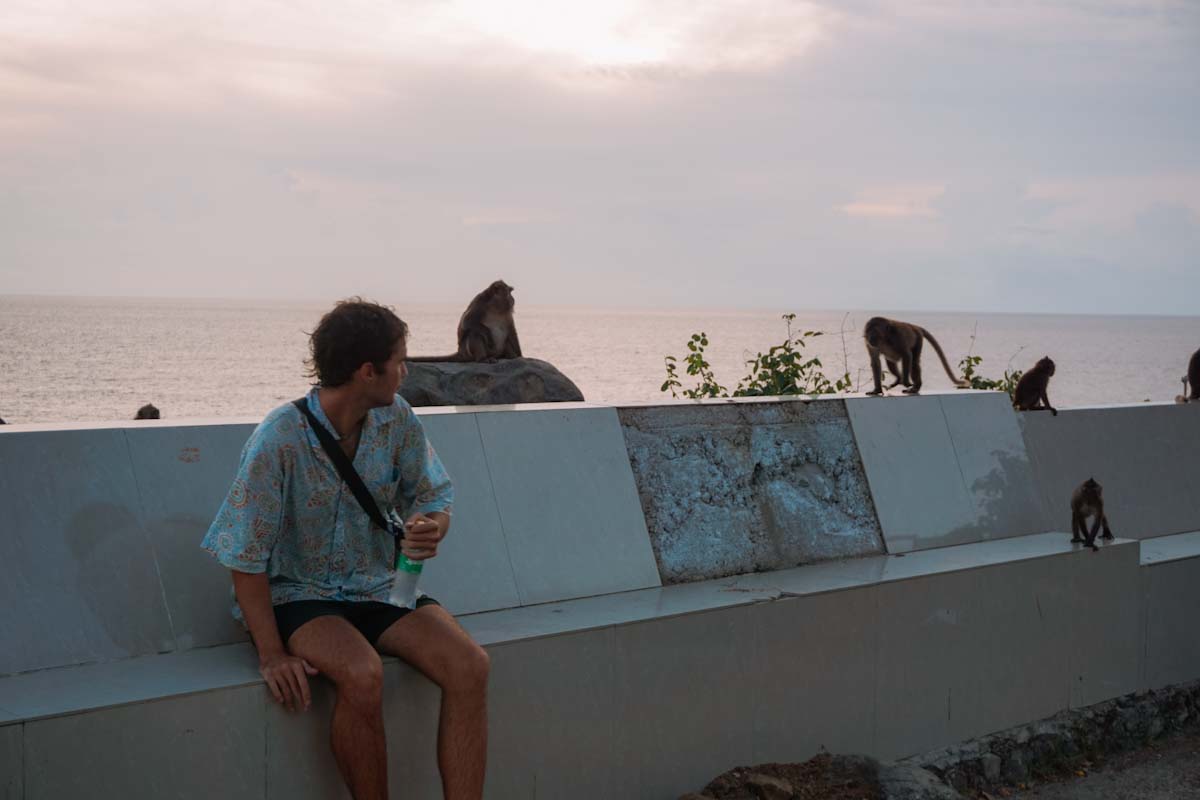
pixel 369 617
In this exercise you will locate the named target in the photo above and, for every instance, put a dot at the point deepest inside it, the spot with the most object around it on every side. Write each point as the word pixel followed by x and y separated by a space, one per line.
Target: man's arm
pixel 286 675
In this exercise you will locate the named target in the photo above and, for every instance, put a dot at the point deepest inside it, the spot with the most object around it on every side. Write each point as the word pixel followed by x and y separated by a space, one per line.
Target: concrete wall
pixel 1144 456
pixel 101 543
pixel 946 469
pixel 606 683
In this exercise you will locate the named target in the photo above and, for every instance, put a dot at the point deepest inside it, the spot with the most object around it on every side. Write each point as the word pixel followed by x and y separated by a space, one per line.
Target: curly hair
pixel 353 333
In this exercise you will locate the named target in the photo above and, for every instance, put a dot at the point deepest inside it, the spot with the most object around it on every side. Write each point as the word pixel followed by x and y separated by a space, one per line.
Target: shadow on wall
pixel 1005 502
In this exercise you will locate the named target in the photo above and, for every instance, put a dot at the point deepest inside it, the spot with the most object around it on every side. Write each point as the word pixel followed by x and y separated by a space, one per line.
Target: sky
pixel 1024 156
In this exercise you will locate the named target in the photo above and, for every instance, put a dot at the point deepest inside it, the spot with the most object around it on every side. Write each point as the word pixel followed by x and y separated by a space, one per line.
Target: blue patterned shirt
pixel 290 514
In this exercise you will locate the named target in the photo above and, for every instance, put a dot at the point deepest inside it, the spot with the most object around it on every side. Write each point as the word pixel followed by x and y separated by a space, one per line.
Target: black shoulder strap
pixel 345 468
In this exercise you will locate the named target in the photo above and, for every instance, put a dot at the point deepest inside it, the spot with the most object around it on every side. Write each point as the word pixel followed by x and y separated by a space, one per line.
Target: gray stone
pixel 766 787
pixel 749 487
pixel 906 782
pixel 1015 768
pixel 990 764
pixel 510 380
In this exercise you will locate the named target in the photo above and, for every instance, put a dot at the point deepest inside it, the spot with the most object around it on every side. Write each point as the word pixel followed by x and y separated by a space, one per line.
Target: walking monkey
pixel 1086 501
pixel 900 344
pixel 486 331
pixel 1030 394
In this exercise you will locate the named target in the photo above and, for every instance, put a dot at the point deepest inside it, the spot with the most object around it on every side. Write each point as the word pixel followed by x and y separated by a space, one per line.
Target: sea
pixel 91 359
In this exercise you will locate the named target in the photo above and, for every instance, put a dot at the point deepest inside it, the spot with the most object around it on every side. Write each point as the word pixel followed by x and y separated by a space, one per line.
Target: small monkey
pixel 1030 394
pixel 1192 378
pixel 486 331
pixel 1086 501
pixel 148 411
pixel 900 343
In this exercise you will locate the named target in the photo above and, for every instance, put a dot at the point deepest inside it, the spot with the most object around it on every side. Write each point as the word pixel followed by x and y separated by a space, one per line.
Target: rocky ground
pixel 1168 769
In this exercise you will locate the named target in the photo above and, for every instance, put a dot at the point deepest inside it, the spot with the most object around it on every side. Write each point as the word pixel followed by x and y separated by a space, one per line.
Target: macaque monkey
pixel 486 331
pixel 1192 378
pixel 1086 501
pixel 900 343
pixel 1030 394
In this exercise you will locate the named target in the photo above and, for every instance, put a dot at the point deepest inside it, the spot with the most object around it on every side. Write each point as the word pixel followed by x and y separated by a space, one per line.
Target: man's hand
pixel 422 534
pixel 287 676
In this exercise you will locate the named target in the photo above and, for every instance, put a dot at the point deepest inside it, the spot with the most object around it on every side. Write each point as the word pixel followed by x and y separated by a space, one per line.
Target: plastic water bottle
pixel 404 585
pixel 408 573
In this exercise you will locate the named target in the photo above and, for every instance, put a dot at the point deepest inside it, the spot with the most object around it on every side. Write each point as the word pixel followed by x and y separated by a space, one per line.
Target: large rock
pixel 511 380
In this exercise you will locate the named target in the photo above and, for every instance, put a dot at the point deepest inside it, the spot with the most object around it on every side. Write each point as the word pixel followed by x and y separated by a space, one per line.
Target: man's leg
pixel 430 640
pixel 344 656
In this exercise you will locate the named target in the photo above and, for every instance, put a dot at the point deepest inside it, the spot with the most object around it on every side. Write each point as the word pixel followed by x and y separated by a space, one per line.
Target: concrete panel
pixel 995 467
pixel 299 761
pixel 12 762
pixel 1106 626
pixel 54 692
pixel 567 502
pixel 472 571
pixel 201 746
pixel 1143 456
pixel 913 472
pixel 183 473
pixel 1021 644
pixel 927 653
pixel 1172 612
pixel 80 579
pixel 748 487
pixel 552 719
pixel 815 676
pixel 685 702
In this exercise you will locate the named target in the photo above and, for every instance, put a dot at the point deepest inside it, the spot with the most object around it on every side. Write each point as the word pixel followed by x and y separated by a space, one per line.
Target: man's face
pixel 387 381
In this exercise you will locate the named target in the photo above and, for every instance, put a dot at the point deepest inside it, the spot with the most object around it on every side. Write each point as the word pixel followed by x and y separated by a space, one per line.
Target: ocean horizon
pixel 75 359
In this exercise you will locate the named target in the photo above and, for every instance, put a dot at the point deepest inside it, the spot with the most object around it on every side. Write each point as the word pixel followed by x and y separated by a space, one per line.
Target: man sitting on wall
pixel 311 573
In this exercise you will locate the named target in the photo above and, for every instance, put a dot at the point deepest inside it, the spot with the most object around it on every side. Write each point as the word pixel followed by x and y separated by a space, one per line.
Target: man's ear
pixel 366 371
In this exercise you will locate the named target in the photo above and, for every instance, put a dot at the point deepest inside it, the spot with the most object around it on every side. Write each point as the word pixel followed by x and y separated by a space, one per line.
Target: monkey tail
pixel 959 382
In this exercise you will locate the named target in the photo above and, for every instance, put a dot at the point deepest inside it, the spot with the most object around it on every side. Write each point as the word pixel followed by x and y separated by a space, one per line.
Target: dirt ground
pixel 1167 770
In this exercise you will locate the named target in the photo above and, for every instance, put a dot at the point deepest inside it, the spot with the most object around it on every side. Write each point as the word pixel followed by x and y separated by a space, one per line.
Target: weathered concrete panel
pixel 1172 617
pixel 567 503
pixel 12 766
pixel 915 480
pixel 183 473
pixel 201 746
pixel 815 675
pixel 748 487
pixel 473 571
pixel 1143 456
pixel 685 701
pixel 73 533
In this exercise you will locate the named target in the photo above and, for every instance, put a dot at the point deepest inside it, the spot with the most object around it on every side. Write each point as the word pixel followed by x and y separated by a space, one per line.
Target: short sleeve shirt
pixel 290 514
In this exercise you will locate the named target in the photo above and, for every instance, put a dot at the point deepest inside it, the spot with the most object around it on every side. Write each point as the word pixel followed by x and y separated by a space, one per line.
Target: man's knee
pixel 468 670
pixel 361 682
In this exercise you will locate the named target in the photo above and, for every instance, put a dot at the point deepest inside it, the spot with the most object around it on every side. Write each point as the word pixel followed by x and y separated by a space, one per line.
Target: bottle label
pixel 403 564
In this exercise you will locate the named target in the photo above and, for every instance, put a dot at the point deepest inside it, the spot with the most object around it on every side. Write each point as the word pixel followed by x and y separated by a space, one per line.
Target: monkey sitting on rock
pixel 486 331
pixel 1193 379
pixel 900 344
pixel 1030 394
pixel 1086 501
